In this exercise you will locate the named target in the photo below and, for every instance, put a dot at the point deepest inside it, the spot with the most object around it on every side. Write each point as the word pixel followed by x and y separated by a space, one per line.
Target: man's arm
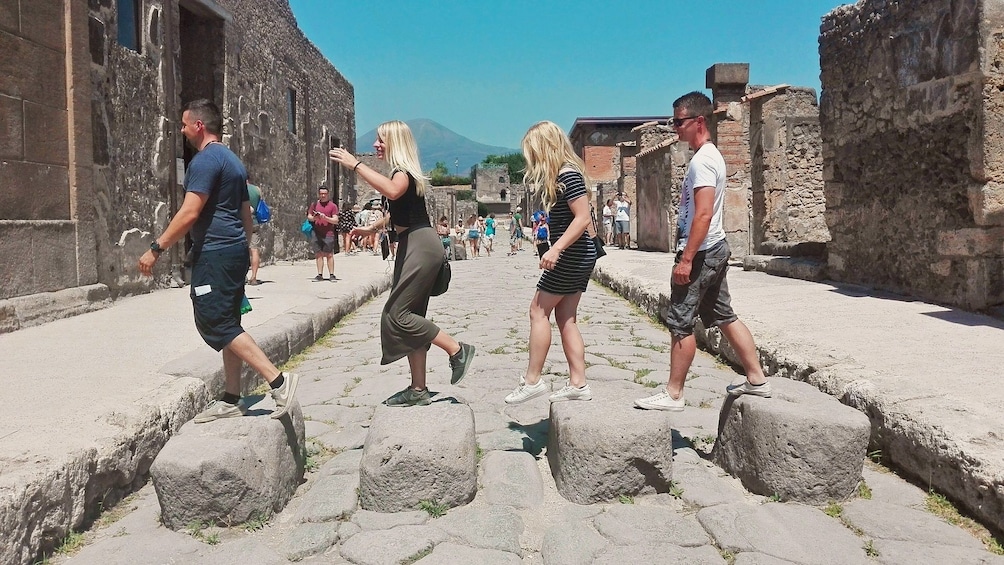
pixel 704 203
pixel 183 221
pixel 246 220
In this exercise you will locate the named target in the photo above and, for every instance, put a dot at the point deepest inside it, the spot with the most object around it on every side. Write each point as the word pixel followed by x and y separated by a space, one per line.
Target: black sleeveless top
pixel 408 211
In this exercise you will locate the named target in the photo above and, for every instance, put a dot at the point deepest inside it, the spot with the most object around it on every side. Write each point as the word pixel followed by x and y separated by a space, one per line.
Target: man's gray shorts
pixel 622 226
pixel 707 294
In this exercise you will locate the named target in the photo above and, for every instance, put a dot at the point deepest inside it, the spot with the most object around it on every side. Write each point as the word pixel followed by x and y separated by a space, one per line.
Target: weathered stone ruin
pixel 91 155
pixel 911 114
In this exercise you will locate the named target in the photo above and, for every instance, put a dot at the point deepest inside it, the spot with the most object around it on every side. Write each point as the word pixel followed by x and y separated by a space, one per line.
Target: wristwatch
pixel 156 248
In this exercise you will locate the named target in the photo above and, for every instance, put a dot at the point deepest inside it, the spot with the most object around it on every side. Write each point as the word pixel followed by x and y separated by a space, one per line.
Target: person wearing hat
pixel 516 232
pixel 346 221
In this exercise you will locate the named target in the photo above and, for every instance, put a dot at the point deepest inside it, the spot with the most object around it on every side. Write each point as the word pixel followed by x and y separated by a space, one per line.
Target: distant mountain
pixel 436 142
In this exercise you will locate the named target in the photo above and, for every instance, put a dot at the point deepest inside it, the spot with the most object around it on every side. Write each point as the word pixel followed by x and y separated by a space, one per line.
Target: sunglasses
pixel 677 122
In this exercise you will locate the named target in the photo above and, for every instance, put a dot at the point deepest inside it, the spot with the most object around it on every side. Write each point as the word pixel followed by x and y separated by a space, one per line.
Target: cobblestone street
pixel 518 516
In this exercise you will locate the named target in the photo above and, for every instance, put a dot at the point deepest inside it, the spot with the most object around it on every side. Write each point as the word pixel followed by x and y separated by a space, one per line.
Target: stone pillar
pixel 730 132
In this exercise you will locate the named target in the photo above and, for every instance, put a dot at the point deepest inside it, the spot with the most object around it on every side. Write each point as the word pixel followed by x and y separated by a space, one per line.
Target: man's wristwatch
pixel 156 248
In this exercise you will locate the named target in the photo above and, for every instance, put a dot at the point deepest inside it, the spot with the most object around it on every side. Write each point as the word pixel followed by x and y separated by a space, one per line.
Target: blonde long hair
pixel 401 152
pixel 547 150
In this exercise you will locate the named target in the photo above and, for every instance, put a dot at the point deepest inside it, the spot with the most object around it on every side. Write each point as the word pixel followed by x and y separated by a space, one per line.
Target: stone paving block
pixel 659 554
pixel 391 547
pixel 453 554
pixel 881 520
pixel 345 463
pixel 599 450
pixel 571 543
pixel 337 415
pixel 352 436
pixel 312 428
pixel 511 478
pixel 896 552
pixel 418 453
pixel 705 486
pixel 801 444
pixel 632 524
pixel 331 497
pixel 309 539
pixel 608 373
pixel 369 520
pixel 487 527
pixel 754 558
pixel 346 530
pixel 241 551
pixel 157 546
pixel 889 487
pixel 787 531
pixel 230 470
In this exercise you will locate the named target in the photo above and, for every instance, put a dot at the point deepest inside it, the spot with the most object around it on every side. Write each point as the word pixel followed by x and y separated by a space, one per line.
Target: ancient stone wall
pixel 912 123
pixel 730 132
pixel 284 106
pixel 46 223
pixel 660 165
pixel 786 169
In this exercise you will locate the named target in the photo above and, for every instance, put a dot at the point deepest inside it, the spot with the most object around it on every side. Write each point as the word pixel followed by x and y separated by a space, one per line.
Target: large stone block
pixel 11 128
pixel 801 444
pixel 416 454
pixel 599 450
pixel 231 470
pixel 45 134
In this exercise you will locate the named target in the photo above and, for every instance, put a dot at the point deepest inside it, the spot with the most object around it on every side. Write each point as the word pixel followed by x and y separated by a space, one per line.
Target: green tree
pixel 440 170
pixel 516 162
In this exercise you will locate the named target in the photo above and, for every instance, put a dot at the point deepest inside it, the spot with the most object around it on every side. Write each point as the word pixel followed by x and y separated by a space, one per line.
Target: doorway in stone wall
pixel 201 36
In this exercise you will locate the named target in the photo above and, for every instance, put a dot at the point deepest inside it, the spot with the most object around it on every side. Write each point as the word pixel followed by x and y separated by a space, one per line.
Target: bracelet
pixel 357 166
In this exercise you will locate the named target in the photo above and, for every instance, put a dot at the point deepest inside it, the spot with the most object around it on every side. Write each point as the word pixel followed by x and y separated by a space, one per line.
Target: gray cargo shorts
pixel 706 295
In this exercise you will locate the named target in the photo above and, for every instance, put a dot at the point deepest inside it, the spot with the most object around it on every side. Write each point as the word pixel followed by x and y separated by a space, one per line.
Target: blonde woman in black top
pixel 404 330
pixel 556 173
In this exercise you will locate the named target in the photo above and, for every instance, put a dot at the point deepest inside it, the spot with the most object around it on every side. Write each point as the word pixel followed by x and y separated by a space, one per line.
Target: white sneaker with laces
pixel 569 392
pixel 284 395
pixel 217 410
pixel 746 388
pixel 524 392
pixel 661 401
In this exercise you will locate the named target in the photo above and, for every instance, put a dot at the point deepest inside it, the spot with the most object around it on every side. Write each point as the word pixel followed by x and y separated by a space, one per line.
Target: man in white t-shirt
pixel 622 221
pixel 699 285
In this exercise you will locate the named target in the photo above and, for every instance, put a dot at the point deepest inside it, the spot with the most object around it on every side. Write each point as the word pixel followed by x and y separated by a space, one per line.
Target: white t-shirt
pixel 707 168
pixel 622 211
pixel 608 214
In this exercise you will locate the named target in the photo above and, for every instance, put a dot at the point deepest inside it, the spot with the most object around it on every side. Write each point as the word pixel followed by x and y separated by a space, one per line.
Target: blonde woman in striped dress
pixel 557 174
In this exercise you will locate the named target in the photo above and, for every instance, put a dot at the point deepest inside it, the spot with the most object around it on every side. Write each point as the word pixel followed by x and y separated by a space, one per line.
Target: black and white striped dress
pixel 571 272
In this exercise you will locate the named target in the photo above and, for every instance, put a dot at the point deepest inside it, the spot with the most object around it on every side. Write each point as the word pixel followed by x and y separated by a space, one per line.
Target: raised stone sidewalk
pixel 517 515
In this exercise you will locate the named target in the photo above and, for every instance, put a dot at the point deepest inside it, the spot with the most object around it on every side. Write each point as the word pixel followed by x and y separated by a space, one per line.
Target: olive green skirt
pixel 403 326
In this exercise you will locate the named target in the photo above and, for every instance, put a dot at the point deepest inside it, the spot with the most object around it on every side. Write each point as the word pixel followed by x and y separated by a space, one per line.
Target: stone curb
pixel 36 516
pixel 35 309
pixel 922 449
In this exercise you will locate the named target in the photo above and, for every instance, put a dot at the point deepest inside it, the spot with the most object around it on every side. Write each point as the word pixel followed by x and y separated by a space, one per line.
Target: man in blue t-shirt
pixel 217 212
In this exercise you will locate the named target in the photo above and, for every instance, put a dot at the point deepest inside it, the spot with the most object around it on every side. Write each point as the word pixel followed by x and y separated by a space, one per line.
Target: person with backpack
pixel 323 214
pixel 541 235
pixel 255 195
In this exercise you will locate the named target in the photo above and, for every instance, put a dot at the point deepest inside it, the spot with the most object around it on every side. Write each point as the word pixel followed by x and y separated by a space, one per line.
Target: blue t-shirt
pixel 490 226
pixel 218 173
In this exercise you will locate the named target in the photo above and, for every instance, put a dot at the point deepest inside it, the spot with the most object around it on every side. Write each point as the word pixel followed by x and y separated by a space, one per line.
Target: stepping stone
pixel 229 471
pixel 802 444
pixel 602 449
pixel 418 453
pixel 310 539
pixel 453 554
pixel 401 544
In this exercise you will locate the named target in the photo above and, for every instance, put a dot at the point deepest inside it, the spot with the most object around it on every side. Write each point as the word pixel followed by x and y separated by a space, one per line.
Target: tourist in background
pixel 443 231
pixel 404 329
pixel 699 284
pixel 489 234
pixel 622 221
pixel 516 232
pixel 556 173
pixel 473 234
pixel 254 197
pixel 346 221
pixel 323 215
pixel 608 222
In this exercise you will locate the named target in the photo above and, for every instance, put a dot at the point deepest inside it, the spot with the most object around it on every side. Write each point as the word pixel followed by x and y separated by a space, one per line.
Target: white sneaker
pixel 524 392
pixel 661 401
pixel 284 395
pixel 569 392
pixel 746 388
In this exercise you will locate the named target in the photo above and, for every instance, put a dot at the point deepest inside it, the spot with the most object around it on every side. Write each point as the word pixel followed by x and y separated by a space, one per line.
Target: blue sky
pixel 489 70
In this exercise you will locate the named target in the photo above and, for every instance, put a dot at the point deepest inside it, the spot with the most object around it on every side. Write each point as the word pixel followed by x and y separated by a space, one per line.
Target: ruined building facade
pixel 911 114
pixel 91 157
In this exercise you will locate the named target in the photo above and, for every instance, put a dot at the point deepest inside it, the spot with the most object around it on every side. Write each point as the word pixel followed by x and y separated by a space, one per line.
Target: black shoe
pixel 319 277
pixel 333 278
pixel 409 397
